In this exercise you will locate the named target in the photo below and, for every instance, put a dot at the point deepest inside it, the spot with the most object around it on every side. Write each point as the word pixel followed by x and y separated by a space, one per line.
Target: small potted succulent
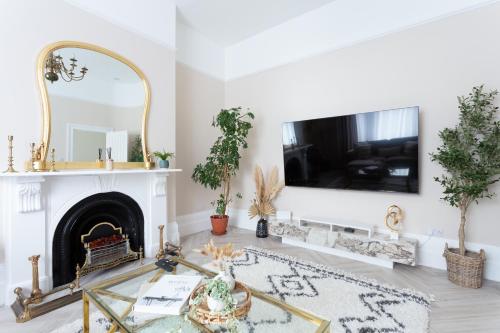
pixel 219 300
pixel 163 158
pixel 265 193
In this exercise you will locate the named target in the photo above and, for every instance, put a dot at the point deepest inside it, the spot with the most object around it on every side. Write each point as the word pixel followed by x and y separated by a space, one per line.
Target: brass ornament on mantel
pixel 53 160
pixel 37 163
pixel 10 158
pixel 393 220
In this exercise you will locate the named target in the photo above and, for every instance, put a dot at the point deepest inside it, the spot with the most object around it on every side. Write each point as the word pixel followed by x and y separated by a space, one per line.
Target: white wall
pixel 428 65
pixel 152 19
pixel 24 27
pixel 198 52
pixel 338 24
pixel 21 102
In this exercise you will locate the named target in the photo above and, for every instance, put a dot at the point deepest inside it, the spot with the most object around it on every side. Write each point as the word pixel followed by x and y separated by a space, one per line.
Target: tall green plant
pixel 470 153
pixel 224 158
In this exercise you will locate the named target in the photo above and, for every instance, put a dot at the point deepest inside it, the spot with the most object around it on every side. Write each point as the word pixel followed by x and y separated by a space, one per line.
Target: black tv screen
pixel 376 151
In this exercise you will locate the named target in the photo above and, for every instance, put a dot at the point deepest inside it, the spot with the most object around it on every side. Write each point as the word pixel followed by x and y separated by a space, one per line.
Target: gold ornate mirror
pixel 95 103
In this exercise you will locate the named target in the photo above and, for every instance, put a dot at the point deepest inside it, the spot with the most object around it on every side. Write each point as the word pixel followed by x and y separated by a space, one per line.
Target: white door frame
pixel 70 132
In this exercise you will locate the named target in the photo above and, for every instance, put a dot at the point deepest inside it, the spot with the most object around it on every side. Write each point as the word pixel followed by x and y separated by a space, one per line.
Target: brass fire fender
pixel 89 266
pixel 27 308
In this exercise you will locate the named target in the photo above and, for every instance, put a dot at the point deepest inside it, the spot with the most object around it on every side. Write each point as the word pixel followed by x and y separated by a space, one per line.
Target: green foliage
pixel 136 154
pixel 163 155
pixel 470 152
pixel 219 290
pixel 223 161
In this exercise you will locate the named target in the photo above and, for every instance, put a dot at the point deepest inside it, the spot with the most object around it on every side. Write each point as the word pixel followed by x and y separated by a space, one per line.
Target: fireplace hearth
pixel 100 231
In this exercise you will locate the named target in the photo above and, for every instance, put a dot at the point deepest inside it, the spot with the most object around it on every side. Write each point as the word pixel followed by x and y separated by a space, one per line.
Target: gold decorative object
pixel 393 220
pixel 105 252
pixel 26 308
pixel 149 163
pixel 43 58
pixel 202 313
pixel 36 292
pixel 141 255
pixel 37 162
pixel 78 275
pixel 55 69
pixel 53 160
pixel 265 193
pixel 173 250
pixel 219 254
pixel 161 251
pixel 10 158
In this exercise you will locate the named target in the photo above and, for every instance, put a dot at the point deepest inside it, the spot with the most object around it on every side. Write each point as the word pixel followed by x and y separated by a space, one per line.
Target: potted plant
pixel 163 158
pixel 219 299
pixel 470 153
pixel 223 161
pixel 265 193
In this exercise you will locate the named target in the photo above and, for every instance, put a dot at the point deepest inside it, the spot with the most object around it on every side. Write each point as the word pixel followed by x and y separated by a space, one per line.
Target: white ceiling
pixel 227 22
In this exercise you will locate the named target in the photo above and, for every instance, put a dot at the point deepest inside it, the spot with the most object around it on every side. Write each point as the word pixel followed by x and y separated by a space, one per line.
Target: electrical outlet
pixel 434 232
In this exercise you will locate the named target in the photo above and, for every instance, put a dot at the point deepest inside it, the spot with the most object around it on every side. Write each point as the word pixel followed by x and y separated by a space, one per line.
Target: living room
pixel 336 161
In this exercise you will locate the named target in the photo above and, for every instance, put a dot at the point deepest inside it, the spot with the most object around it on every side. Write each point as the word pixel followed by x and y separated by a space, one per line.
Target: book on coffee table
pixel 168 295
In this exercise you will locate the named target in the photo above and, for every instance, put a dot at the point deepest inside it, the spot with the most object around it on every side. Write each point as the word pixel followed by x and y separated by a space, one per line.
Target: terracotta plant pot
pixel 219 224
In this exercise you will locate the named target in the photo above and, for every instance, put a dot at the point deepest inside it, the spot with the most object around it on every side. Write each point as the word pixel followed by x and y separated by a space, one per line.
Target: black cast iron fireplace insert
pixel 115 208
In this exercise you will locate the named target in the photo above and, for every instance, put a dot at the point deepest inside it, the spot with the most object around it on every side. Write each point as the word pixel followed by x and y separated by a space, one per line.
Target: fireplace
pixel 46 213
pixel 102 230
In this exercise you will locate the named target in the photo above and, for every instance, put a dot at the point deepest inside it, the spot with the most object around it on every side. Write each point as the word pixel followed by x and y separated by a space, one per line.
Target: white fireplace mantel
pixel 33 203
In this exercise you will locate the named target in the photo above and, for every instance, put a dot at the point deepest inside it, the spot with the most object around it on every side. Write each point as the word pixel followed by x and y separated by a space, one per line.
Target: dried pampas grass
pixel 224 252
pixel 265 193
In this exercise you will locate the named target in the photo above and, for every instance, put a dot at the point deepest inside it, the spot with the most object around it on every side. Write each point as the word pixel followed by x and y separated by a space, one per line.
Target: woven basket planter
pixel 465 271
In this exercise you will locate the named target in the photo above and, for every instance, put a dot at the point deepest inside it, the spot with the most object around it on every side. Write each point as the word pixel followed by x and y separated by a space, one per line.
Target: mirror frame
pixel 46 116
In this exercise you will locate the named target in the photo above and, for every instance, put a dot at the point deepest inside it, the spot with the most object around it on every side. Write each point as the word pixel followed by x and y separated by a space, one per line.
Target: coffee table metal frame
pixel 90 295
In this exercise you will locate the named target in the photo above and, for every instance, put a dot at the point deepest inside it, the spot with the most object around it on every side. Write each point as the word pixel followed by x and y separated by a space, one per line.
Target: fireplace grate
pixel 106 252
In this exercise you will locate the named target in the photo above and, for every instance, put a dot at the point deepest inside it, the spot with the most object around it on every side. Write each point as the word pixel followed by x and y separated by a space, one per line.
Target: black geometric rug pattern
pixel 375 307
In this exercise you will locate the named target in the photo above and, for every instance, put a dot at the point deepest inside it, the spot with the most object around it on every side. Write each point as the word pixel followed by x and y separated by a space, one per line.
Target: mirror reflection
pixel 97 106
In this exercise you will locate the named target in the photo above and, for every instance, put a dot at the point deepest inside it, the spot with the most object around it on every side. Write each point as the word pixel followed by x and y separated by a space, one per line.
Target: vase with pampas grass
pixel 265 193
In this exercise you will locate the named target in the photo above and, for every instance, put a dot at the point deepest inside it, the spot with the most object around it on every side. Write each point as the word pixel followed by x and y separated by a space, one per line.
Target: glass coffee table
pixel 115 299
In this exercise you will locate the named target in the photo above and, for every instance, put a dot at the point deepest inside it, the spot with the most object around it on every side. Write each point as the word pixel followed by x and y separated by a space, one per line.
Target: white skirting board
pixel 193 223
pixel 430 249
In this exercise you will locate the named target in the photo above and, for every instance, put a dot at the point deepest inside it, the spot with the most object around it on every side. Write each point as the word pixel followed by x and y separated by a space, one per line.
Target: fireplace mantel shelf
pixel 89 172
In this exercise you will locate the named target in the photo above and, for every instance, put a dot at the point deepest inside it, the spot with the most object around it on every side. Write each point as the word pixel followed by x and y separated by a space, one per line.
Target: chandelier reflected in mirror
pixel 55 68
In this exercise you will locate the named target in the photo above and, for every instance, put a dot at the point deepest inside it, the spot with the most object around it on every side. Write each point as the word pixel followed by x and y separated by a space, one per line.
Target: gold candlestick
pixel 53 160
pixel 10 158
pixel 33 156
pixel 161 252
pixel 36 292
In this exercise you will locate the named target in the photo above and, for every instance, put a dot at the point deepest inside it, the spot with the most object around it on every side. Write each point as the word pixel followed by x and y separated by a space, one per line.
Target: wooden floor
pixel 455 309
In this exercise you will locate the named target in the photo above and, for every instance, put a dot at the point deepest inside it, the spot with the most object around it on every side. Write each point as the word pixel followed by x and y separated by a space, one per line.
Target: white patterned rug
pixel 351 303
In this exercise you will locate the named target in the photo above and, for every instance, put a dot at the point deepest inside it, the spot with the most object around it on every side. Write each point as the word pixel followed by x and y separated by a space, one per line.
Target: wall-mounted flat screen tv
pixel 376 151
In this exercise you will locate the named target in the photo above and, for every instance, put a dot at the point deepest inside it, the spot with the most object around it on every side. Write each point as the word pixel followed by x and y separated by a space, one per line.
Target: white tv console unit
pixel 360 243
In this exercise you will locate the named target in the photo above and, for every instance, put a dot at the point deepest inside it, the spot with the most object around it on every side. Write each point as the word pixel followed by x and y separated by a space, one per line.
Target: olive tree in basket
pixel 223 161
pixel 470 155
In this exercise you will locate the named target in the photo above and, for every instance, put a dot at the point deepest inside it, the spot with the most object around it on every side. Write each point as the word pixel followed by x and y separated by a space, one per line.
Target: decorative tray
pixel 203 314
